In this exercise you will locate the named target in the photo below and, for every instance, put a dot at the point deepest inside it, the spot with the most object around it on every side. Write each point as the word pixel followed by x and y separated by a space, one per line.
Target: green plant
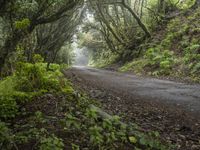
pixel 95 135
pixel 5 136
pixel 162 61
pixel 37 58
pixel 196 68
pixel 75 147
pixel 186 4
pixel 91 113
pixel 51 143
pixel 28 81
pixel 39 117
pixel 22 24
pixel 8 107
pixel 29 77
pixel 34 77
pixel 150 141
pixel 193 48
pixel 71 122
pixel 7 85
pixel 107 124
pixel 22 97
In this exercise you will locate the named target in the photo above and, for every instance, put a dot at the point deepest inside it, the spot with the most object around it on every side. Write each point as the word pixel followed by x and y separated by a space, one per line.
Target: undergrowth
pixel 177 54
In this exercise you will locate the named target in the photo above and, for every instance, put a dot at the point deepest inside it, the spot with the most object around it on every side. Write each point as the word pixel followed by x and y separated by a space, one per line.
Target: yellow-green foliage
pixel 34 77
pixel 186 4
pixel 7 85
pixel 22 24
pixel 182 4
pixel 28 81
pixel 38 58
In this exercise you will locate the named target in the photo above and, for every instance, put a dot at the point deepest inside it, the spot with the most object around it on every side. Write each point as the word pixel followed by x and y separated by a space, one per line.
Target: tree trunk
pixel 9 47
pixel 137 19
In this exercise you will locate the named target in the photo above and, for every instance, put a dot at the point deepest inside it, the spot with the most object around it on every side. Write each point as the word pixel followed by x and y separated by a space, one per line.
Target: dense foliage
pixel 176 54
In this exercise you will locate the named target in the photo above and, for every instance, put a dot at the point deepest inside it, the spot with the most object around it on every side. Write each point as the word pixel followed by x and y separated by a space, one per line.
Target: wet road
pixel 180 95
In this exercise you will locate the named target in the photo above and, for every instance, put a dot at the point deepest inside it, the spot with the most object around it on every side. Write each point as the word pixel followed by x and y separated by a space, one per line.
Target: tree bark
pixel 9 47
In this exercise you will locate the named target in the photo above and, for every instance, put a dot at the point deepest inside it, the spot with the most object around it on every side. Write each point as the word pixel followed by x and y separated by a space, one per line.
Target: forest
pixel 99 74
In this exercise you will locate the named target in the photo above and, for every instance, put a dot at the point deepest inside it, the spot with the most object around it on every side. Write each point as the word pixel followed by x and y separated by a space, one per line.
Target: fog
pixel 81 57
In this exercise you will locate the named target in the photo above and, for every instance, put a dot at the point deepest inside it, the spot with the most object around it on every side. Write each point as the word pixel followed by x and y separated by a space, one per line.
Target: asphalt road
pixel 180 95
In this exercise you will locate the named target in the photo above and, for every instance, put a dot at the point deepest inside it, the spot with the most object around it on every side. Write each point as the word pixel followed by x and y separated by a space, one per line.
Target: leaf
pixel 132 139
pixel 143 141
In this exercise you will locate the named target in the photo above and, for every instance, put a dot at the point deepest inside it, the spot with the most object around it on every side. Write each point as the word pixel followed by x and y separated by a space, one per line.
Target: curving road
pixel 180 95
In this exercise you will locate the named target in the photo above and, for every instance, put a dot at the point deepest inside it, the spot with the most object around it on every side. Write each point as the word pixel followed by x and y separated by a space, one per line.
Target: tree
pixel 27 19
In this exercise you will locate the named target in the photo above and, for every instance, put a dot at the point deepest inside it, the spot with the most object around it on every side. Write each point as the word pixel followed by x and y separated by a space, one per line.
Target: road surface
pixel 180 95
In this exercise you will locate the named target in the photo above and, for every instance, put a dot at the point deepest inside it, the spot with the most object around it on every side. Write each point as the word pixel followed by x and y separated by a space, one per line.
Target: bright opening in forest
pixel 81 57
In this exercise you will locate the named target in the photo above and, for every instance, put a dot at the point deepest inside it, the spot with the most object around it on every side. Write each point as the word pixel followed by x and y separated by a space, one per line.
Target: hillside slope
pixel 173 51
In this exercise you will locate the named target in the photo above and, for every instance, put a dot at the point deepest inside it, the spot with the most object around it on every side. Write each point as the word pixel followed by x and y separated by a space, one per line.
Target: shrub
pixel 196 68
pixel 28 81
pixel 34 77
pixel 186 4
pixel 4 136
pixel 29 77
pixel 22 97
pixel 8 107
pixel 51 143
pixel 193 48
pixel 161 60
pixel 37 58
pixel 7 85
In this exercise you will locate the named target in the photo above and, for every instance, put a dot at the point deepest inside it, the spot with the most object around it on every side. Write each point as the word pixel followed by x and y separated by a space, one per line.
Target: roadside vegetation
pixel 174 53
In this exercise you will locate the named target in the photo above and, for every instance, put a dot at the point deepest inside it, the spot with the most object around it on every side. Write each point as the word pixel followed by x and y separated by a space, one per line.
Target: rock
pixel 97 94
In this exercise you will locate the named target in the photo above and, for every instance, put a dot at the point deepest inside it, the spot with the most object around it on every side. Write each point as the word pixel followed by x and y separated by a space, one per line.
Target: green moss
pixel 22 24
